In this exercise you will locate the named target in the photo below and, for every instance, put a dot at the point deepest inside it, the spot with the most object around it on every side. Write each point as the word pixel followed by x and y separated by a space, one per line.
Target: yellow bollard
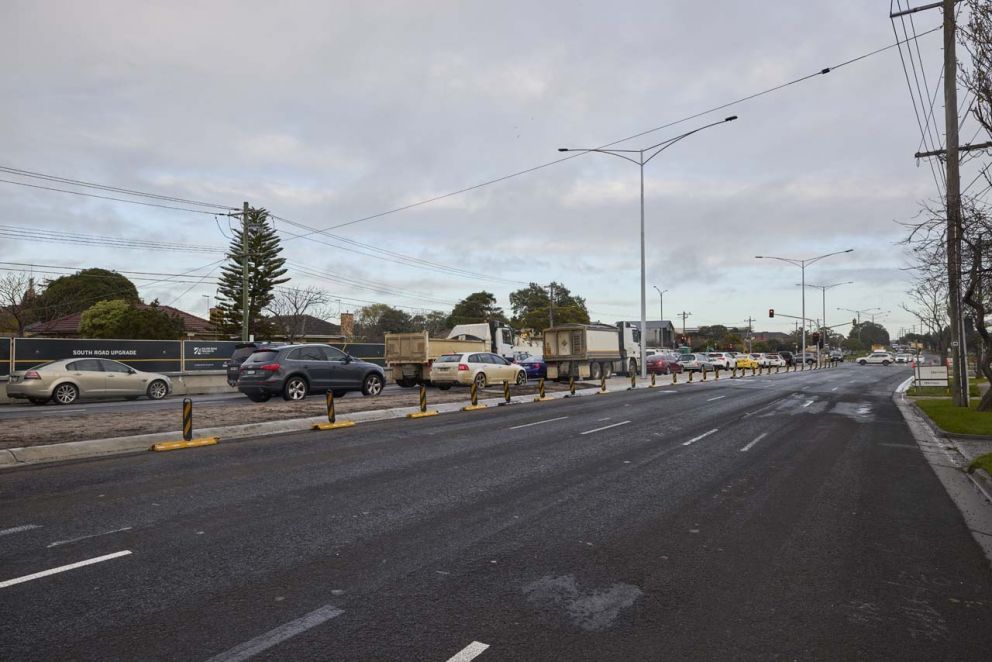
pixel 475 400
pixel 716 375
pixel 704 374
pixel 187 441
pixel 506 393
pixel 571 387
pixel 733 372
pixel 633 381
pixel 752 371
pixel 652 381
pixel 332 422
pixel 423 406
pixel 675 378
pixel 540 391
pixel 690 376
pixel 602 386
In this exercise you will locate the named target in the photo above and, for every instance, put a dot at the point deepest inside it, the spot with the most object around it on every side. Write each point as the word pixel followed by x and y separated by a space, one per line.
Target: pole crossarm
pixel 963 148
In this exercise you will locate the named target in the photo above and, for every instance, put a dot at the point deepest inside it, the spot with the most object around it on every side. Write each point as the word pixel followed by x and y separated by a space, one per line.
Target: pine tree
pixel 265 272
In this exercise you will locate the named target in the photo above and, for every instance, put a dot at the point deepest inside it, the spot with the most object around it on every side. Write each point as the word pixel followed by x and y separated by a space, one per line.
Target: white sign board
pixel 931 376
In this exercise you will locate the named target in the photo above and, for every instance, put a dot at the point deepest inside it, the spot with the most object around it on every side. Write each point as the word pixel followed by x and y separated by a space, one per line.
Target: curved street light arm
pixel 817 259
pixel 611 152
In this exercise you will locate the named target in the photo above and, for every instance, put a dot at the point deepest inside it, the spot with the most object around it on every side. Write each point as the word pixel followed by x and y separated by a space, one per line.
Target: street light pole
pixel 802 264
pixel 823 289
pixel 643 157
pixel 661 313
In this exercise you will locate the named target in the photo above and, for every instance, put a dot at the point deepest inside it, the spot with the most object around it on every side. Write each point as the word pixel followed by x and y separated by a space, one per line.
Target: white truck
pixel 591 351
pixel 499 338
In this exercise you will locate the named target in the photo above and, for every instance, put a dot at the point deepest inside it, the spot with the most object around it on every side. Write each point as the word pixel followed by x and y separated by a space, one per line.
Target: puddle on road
pixel 859 411
pixel 593 610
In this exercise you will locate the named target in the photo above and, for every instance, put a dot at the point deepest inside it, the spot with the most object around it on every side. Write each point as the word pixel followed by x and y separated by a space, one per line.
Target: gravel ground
pixel 98 425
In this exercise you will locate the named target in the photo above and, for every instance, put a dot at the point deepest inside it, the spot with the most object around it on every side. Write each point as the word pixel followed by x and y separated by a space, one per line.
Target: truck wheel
pixel 594 372
pixel 406 383
pixel 607 369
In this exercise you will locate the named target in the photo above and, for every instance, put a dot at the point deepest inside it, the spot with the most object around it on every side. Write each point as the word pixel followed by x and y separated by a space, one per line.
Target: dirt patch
pixel 102 424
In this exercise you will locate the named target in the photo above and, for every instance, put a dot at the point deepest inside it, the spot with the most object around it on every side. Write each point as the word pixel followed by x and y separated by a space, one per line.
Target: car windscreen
pixel 262 356
pixel 448 358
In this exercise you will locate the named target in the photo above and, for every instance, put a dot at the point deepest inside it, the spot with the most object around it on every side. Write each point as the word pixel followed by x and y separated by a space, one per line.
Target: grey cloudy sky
pixel 326 112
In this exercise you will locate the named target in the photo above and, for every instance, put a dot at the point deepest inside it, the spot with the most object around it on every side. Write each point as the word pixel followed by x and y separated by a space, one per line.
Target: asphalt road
pixel 780 517
pixel 13 411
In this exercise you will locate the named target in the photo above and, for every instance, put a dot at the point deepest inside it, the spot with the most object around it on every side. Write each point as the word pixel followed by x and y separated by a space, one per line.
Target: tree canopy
pixel 77 292
pixel 475 308
pixel 122 319
pixel 532 307
pixel 378 319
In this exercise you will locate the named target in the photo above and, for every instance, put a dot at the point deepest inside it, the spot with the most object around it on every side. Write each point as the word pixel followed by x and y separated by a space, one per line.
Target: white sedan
pixel 480 368
pixel 774 361
pixel 877 358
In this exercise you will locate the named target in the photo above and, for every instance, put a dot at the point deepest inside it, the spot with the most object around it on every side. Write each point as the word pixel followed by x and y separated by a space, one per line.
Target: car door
pixel 121 380
pixel 316 367
pixel 477 362
pixel 89 376
pixel 343 372
pixel 498 369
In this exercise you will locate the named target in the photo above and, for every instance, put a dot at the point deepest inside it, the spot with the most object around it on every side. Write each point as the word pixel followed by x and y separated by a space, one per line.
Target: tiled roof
pixel 69 325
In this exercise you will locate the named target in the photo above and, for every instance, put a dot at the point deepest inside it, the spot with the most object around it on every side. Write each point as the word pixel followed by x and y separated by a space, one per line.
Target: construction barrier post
pixel 571 386
pixel 733 372
pixel 704 374
pixel 602 386
pixel 475 399
pixel 332 422
pixel 752 371
pixel 675 378
pixel 690 376
pixel 633 381
pixel 506 393
pixel 188 441
pixel 540 391
pixel 716 375
pixel 423 406
pixel 187 419
pixel 652 381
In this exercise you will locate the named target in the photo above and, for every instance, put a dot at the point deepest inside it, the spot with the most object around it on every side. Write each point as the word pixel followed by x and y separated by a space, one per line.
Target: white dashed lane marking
pixel 19 529
pixel 702 436
pixel 549 420
pixel 278 635
pixel 606 427
pixel 63 568
pixel 470 652
pixel 754 441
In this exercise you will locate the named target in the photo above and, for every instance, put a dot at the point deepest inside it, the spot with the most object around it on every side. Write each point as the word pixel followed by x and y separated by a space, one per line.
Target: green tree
pixel 121 319
pixel 265 271
pixel 378 319
pixel 102 319
pixel 532 306
pixel 434 323
pixel 75 293
pixel 869 333
pixel 475 308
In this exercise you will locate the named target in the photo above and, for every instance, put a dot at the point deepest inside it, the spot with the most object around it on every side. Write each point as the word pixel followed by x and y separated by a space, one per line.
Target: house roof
pixel 69 325
pixel 308 325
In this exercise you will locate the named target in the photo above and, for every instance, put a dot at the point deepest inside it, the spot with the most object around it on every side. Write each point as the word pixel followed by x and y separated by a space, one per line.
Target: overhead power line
pixel 687 118
pixel 106 197
pixel 58 236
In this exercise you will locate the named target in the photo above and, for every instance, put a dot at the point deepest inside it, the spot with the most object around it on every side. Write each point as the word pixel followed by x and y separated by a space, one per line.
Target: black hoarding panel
pixel 4 357
pixel 146 355
pixel 200 355
pixel 367 351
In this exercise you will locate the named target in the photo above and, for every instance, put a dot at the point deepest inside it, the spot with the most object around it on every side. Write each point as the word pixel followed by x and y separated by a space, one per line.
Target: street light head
pixel 731 118
pixel 849 250
pixel 758 257
pixel 562 149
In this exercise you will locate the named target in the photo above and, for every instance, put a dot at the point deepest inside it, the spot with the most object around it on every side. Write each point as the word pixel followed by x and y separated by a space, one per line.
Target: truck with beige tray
pixel 590 351
pixel 411 355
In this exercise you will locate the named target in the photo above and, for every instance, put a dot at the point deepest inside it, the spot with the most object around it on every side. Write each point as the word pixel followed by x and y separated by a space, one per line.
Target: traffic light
pixel 771 312
pixel 816 338
pixel 854 321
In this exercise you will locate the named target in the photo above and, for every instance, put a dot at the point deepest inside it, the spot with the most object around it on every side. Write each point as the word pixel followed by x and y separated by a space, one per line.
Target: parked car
pixel 480 368
pixel 836 355
pixel 664 363
pixel 883 358
pixel 241 352
pixel 295 371
pixel 904 358
pixel 761 358
pixel 721 360
pixel 745 362
pixel 68 380
pixel 788 357
pixel 534 366
pixel 696 363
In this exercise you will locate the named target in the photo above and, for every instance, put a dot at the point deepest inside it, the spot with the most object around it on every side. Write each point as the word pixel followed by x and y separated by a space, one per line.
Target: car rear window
pixel 448 358
pixel 263 356
pixel 242 353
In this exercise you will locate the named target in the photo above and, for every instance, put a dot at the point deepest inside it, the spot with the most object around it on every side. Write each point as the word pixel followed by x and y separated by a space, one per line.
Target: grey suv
pixel 294 371
pixel 241 352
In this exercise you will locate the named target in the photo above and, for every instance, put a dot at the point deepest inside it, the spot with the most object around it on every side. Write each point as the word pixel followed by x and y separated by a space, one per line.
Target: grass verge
pixel 957 419
pixel 981 462
pixel 938 391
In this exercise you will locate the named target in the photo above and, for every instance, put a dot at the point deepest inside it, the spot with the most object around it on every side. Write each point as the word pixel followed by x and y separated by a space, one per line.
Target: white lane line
pixel 702 436
pixel 92 535
pixel 18 529
pixel 807 403
pixel 835 388
pixel 606 427
pixel 600 420
pixel 527 425
pixel 754 441
pixel 62 568
pixel 719 397
pixel 278 635
pixel 470 652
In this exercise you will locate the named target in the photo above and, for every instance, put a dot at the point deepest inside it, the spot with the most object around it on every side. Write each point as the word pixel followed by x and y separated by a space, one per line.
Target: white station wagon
pixel 883 358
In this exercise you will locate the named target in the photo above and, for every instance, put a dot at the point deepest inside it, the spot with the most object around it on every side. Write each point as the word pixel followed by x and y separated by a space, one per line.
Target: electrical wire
pixel 687 118
pixel 105 197
pixel 42 235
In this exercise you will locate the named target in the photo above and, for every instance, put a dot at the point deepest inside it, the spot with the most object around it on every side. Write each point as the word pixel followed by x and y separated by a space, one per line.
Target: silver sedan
pixel 66 381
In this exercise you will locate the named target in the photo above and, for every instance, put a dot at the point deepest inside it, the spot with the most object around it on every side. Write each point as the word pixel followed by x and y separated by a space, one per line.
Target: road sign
pixel 932 376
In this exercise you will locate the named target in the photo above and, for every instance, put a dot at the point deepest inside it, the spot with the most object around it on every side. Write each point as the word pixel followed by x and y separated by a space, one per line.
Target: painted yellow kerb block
pixel 333 426
pixel 192 443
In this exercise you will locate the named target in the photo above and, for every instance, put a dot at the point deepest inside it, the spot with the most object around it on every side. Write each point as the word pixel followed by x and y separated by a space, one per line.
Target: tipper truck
pixel 410 355
pixel 590 351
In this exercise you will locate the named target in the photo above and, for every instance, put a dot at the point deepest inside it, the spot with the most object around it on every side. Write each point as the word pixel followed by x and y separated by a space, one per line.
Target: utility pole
pixel 750 334
pixel 244 274
pixel 951 153
pixel 551 309
pixel 683 315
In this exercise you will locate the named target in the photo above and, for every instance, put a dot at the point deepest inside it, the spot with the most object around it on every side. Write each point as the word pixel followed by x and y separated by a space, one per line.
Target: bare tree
pixel 17 299
pixel 291 307
pixel 929 307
